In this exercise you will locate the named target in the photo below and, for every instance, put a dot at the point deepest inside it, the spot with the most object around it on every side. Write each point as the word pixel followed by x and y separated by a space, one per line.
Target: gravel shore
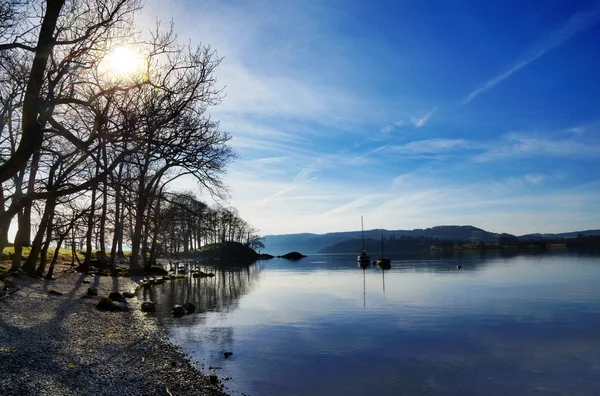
pixel 62 345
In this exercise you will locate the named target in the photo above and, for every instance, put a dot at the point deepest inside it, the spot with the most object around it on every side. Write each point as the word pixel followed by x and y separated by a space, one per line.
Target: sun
pixel 122 62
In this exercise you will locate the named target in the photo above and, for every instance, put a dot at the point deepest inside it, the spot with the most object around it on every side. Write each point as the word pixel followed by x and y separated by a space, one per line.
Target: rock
pixel 148 306
pixel 178 311
pixel 116 296
pixel 54 293
pixel 106 304
pixel 145 283
pixel 227 354
pixel 189 307
pixel 86 296
pixel 121 306
pixel 157 270
pixel 213 379
pixel 92 291
pixel 128 294
pixel 86 281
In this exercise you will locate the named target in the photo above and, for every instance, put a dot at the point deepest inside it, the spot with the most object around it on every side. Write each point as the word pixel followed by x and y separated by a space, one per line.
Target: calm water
pixel 521 325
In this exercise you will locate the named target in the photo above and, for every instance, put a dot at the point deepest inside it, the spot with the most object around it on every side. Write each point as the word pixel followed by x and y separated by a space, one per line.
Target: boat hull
pixel 384 263
pixel 364 260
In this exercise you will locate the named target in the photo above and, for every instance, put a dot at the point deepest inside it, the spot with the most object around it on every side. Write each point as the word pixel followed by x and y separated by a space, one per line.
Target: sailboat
pixel 382 262
pixel 364 260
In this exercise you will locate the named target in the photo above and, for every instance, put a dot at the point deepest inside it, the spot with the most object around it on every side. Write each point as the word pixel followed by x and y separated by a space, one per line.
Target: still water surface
pixel 513 325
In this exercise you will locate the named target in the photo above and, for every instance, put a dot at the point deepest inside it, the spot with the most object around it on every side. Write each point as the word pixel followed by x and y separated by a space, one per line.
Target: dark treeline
pixel 88 152
pixel 404 244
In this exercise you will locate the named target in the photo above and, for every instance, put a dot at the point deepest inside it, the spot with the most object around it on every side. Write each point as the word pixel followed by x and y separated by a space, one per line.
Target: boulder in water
pixel 178 311
pixel 148 306
pixel 189 307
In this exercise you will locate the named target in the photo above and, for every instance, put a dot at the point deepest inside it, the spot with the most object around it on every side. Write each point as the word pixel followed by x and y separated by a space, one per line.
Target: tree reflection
pixel 220 293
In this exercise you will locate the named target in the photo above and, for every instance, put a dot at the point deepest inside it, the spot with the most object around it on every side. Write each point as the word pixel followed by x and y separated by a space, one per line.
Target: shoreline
pixel 62 345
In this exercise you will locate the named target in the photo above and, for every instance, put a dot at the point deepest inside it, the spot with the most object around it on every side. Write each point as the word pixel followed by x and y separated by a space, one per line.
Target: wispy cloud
pixel 306 174
pixel 516 183
pixel 420 122
pixel 576 24
pixel 517 145
pixel 387 129
pixel 435 146
pixel 371 152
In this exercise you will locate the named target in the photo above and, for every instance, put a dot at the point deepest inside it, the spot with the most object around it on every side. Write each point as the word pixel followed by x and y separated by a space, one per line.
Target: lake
pixel 504 324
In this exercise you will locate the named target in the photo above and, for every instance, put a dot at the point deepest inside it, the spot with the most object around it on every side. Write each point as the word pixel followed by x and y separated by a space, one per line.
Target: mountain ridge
pixel 313 243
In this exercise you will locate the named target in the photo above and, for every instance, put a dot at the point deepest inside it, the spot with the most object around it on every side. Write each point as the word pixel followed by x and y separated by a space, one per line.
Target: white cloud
pixel 517 145
pixel 435 146
pixel 420 122
pixel 388 129
pixel 535 179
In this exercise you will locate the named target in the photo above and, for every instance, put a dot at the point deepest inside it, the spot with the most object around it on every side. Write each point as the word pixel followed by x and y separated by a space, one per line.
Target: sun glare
pixel 123 62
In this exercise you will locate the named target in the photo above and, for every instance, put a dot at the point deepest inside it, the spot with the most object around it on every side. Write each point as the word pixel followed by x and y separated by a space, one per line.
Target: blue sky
pixel 411 113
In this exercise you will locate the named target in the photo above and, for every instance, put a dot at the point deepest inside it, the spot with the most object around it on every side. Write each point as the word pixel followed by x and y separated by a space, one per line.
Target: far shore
pixel 54 342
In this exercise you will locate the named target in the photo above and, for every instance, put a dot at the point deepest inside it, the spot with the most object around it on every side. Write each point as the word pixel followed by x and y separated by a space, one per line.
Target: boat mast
pixel 382 245
pixel 363 233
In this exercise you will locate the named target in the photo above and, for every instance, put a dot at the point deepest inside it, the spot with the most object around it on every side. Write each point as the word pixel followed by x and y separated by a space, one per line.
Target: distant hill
pixel 572 234
pixel 347 242
pixel 315 243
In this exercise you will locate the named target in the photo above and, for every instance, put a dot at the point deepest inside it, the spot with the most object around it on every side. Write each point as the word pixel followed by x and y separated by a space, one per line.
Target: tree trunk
pixel 3 225
pixel 120 253
pixel 32 132
pixel 135 267
pixel 101 254
pixel 85 267
pixel 35 160
pixel 43 254
pixel 157 226
pixel 118 218
pixel 16 260
pixel 55 257
pixel 29 266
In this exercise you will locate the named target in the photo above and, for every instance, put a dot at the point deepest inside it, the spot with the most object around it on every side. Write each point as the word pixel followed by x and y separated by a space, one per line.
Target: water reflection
pixel 364 288
pixel 525 324
pixel 220 293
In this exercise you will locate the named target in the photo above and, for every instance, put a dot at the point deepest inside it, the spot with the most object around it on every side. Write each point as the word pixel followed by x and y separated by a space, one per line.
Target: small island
pixel 292 256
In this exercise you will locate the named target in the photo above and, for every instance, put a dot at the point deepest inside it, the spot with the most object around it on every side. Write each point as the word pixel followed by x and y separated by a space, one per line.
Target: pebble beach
pixel 54 342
